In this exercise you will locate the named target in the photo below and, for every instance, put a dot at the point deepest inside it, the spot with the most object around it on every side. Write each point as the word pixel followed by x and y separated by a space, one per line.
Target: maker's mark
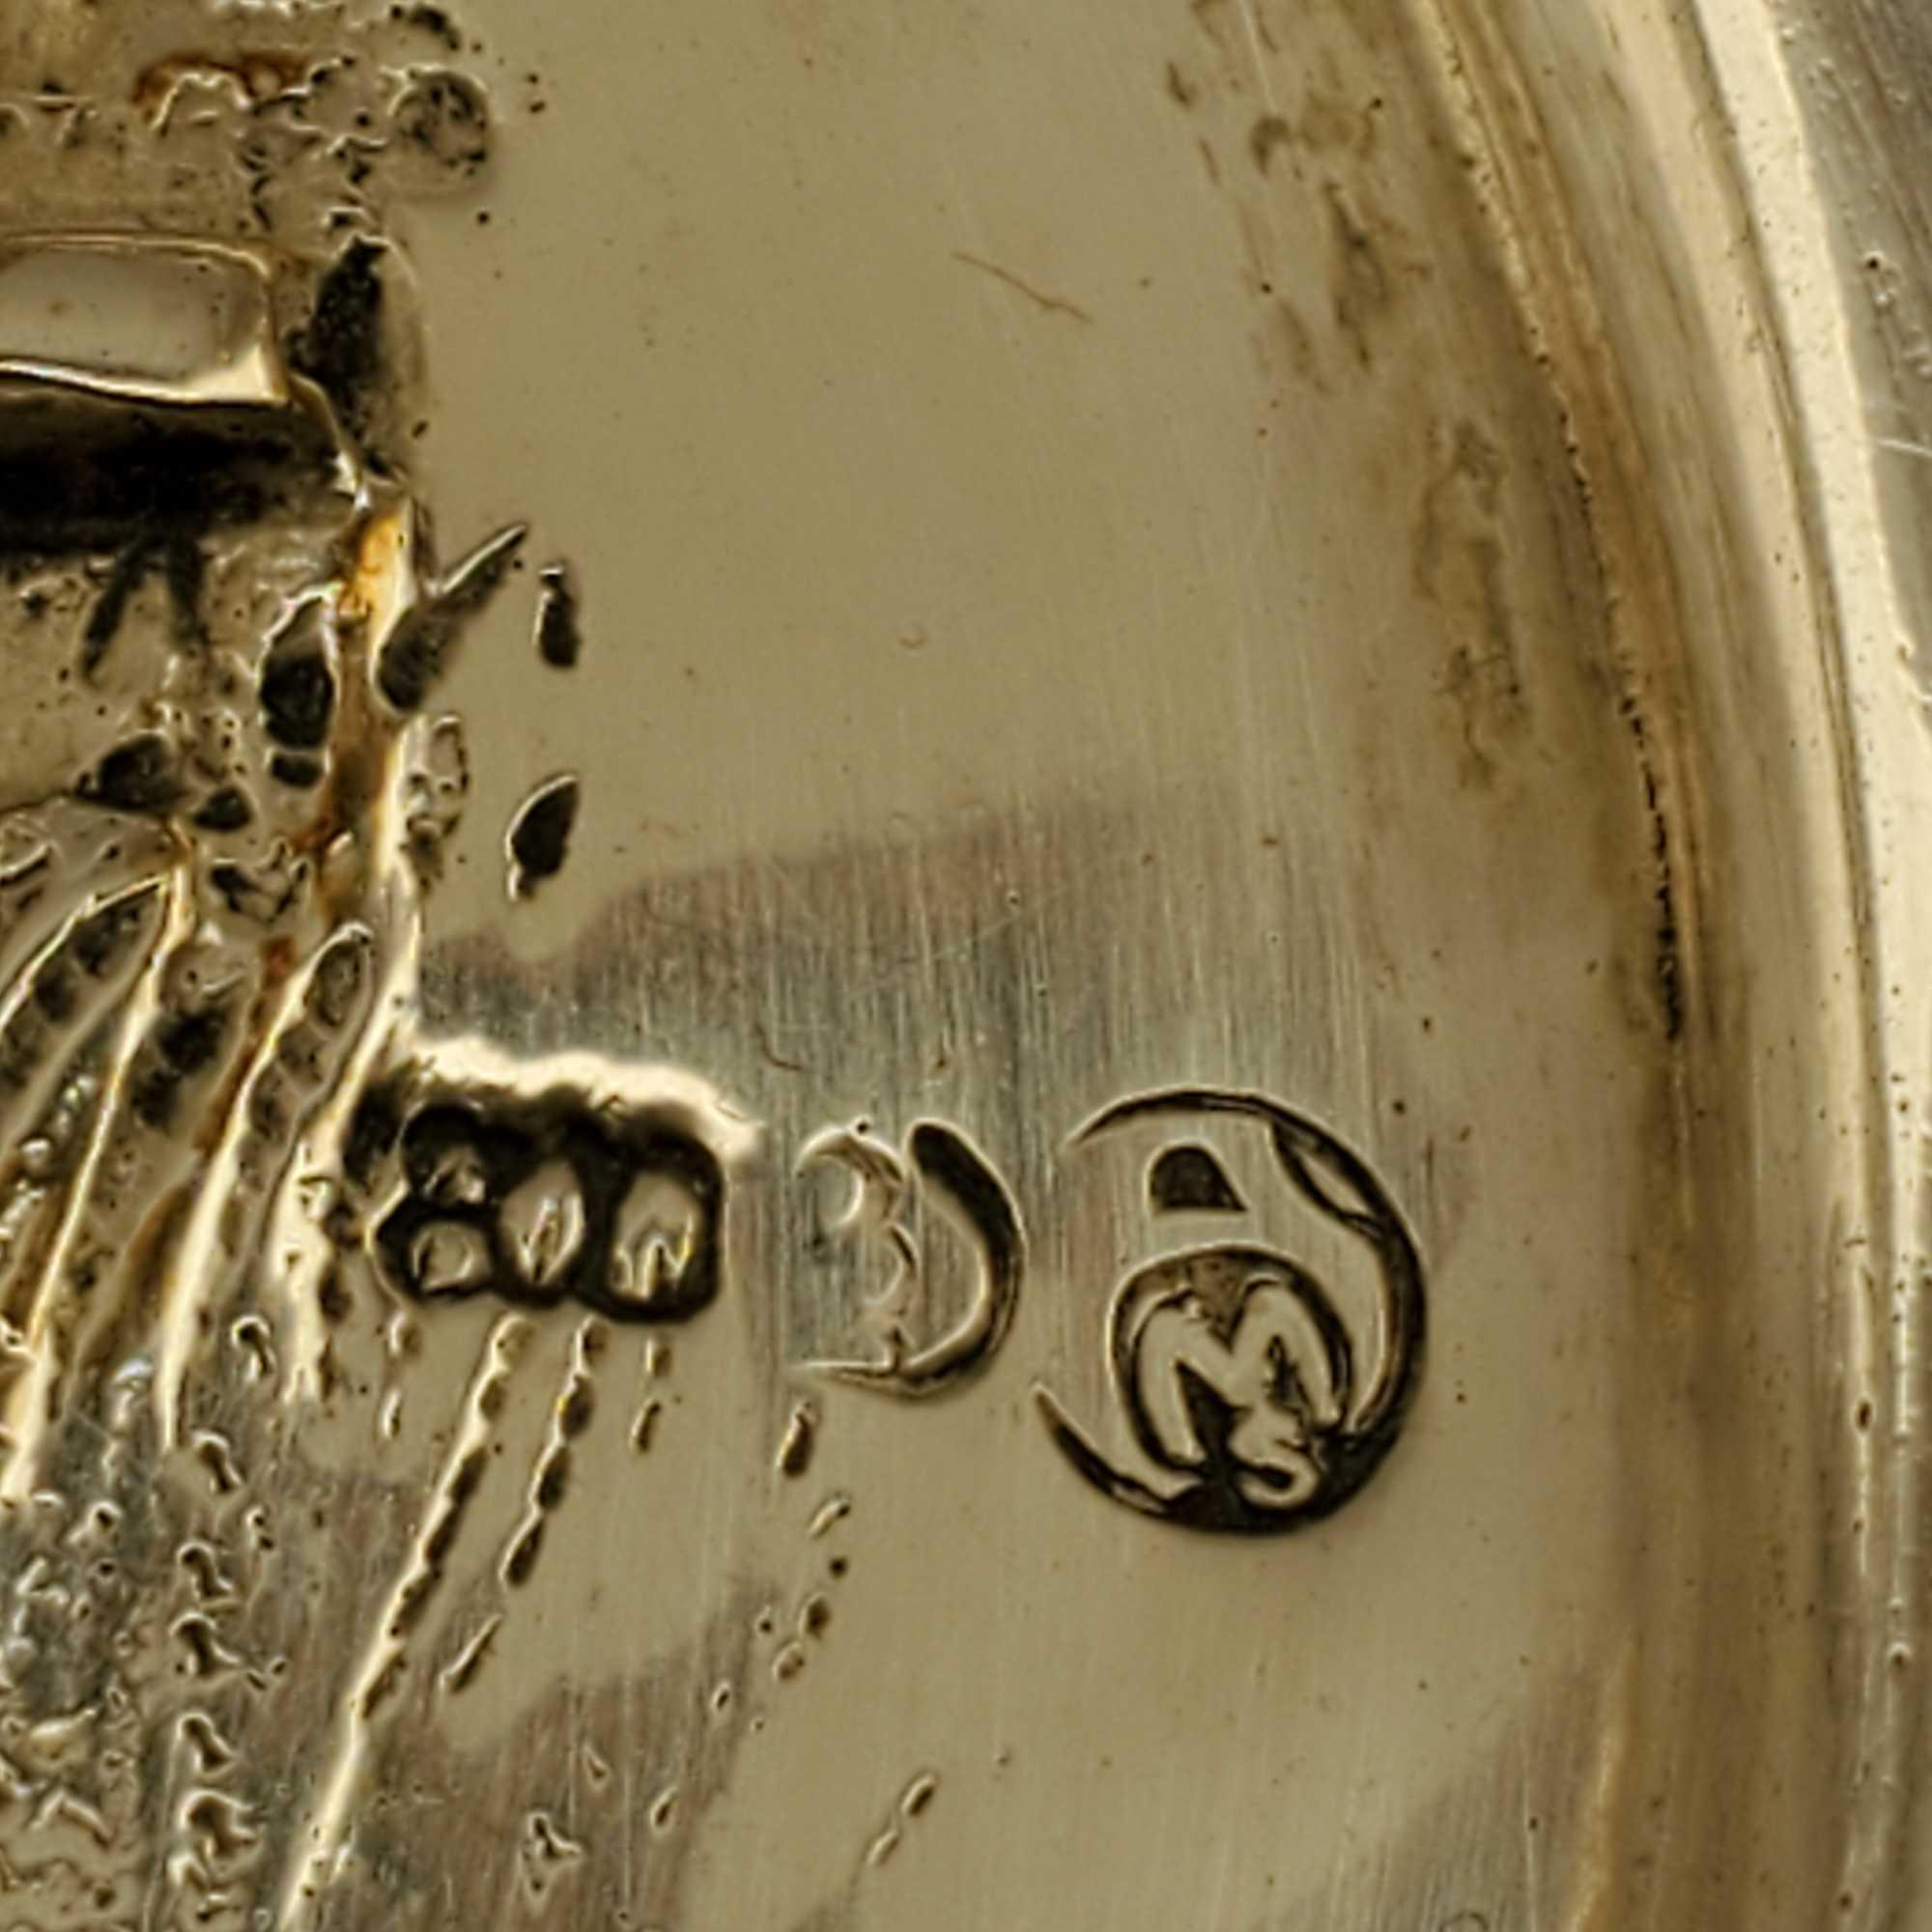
pixel 1241 1384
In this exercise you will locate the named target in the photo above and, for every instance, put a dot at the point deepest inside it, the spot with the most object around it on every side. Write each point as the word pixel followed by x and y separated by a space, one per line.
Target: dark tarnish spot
pixel 418 652
pixel 296 770
pixel 98 941
pixel 552 1480
pixel 374 1129
pixel 522 1560
pixel 79 478
pixel 446 117
pixel 340 347
pixel 1296 341
pixel 1668 963
pixel 574 1413
pixel 1359 283
pixel 264 899
pixel 1329 124
pixel 1461 566
pixel 183 566
pixel 412 660
pixel 225 810
pixel 339 981
pixel 188 1041
pixel 54 996
pixel 103 621
pixel 332 1299
pixel 559 641
pixel 540 834
pixel 1269 133
pixel 186 1045
pixel 801 1437
pixel 298 692
pixel 139 775
pixel 431 20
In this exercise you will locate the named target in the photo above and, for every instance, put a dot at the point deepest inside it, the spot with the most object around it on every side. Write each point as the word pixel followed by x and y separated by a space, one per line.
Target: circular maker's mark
pixel 1239 1382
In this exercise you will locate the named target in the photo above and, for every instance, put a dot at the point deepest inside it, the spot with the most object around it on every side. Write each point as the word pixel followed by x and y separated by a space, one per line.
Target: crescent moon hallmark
pixel 939 1165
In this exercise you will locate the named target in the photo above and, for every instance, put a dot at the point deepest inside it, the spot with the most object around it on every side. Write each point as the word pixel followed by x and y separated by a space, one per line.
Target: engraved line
pixel 1049 304
pixel 29 1407
pixel 321 1149
pixel 58 1102
pixel 550 1475
pixel 382 595
pixel 464 1665
pixel 189 1286
pixel 385 1654
pixel 380 587
pixel 26 980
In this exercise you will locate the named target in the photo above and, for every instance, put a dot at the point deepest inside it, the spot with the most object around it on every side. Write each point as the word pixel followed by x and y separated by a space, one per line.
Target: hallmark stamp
pixel 1251 1404
pixel 543 1184
pixel 939 1169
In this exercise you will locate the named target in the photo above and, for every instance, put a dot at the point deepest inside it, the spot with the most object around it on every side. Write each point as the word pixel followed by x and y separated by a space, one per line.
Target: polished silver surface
pixel 963 965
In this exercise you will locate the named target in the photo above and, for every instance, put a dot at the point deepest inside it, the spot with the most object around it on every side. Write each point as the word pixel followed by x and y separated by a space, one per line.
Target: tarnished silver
pixel 963 967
